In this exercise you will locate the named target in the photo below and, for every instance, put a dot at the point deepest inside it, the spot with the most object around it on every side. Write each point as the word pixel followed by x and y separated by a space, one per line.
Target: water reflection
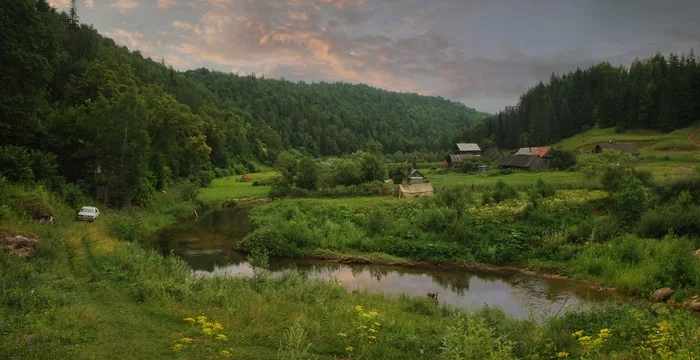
pixel 212 241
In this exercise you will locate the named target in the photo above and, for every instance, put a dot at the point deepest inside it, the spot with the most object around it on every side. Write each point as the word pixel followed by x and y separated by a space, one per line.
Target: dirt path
pixel 692 139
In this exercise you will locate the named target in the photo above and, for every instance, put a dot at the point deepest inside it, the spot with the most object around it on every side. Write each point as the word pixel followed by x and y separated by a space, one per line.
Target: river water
pixel 209 246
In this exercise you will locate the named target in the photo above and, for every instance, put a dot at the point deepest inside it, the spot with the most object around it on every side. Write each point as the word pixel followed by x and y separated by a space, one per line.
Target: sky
pixel 484 53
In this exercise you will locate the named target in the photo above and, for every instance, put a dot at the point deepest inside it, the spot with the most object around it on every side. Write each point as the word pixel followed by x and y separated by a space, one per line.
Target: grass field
pixel 562 179
pixel 649 142
pixel 230 187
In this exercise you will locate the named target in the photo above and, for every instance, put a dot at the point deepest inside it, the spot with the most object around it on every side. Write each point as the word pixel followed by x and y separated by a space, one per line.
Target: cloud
pixel 60 4
pixel 134 40
pixel 482 52
pixel 89 3
pixel 125 5
pixel 166 4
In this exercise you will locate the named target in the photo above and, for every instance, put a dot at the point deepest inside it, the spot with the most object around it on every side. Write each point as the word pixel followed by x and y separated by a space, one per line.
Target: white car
pixel 88 213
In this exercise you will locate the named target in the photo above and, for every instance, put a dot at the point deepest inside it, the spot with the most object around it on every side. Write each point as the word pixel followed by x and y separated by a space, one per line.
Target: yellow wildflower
pixel 578 333
pixel 201 319
pixel 372 330
pixel 372 337
pixel 189 320
pixel 362 327
pixel 377 324
pixel 207 331
pixel 563 354
pixel 177 347
pixel 221 337
pixel 349 348
pixel 584 338
pixel 358 308
pixel 342 334
pixel 185 340
pixel 373 313
pixel 217 326
pixel 225 353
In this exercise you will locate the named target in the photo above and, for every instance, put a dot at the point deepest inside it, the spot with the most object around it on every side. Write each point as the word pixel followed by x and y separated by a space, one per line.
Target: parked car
pixel 88 213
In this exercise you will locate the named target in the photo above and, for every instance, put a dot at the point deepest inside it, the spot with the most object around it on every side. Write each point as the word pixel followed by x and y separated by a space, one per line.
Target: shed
pixel 415 177
pixel 492 154
pixel 524 162
pixel 415 190
pixel 468 148
pixel 621 147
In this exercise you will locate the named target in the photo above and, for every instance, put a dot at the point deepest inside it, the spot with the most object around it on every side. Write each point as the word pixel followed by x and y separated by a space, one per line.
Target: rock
pixel 18 245
pixel 662 294
pixel 693 304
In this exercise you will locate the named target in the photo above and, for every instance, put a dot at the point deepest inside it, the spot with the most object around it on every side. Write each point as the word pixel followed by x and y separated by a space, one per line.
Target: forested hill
pixel 73 103
pixel 339 118
pixel 655 93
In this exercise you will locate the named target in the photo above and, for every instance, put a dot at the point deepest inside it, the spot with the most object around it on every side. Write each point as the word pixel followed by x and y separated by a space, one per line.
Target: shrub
pixel 501 193
pixel 631 200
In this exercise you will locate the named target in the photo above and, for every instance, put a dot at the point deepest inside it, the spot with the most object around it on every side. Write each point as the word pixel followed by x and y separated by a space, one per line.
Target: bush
pixel 501 193
pixel 33 205
pixel 631 200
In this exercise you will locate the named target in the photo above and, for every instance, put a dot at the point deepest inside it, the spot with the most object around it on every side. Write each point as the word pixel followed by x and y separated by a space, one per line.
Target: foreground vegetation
pixel 84 293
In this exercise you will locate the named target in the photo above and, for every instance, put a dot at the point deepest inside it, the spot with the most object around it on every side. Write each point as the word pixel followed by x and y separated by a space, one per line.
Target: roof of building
pixel 541 151
pixel 468 147
pixel 532 162
pixel 415 174
pixel 416 190
pixel 492 153
pixel 621 147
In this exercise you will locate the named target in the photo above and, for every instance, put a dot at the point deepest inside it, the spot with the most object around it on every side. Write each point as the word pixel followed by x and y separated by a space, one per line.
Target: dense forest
pixel 654 93
pixel 75 106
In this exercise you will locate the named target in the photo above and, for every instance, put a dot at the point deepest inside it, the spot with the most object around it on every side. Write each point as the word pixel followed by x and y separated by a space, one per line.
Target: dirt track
pixel 692 139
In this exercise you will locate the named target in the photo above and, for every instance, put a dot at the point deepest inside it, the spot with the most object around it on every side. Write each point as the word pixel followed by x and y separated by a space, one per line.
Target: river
pixel 209 246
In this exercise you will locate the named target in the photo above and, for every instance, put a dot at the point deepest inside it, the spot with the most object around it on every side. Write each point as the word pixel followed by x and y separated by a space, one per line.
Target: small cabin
pixel 415 177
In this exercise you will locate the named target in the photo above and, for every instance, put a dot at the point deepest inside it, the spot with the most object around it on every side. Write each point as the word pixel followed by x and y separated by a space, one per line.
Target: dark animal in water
pixel 433 296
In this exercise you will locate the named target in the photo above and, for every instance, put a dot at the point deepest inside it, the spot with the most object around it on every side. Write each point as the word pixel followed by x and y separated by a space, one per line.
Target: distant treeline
pixel 654 93
pixel 109 116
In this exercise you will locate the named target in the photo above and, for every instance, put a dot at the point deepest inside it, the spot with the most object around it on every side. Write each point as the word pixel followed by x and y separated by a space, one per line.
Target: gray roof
pixel 416 174
pixel 532 162
pixel 492 153
pixel 468 147
pixel 621 147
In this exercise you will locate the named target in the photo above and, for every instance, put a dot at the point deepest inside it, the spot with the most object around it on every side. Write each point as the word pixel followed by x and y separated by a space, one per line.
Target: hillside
pixel 75 105
pixel 657 93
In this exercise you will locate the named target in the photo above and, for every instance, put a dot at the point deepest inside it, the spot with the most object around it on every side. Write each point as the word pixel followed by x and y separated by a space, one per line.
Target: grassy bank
pixel 579 233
